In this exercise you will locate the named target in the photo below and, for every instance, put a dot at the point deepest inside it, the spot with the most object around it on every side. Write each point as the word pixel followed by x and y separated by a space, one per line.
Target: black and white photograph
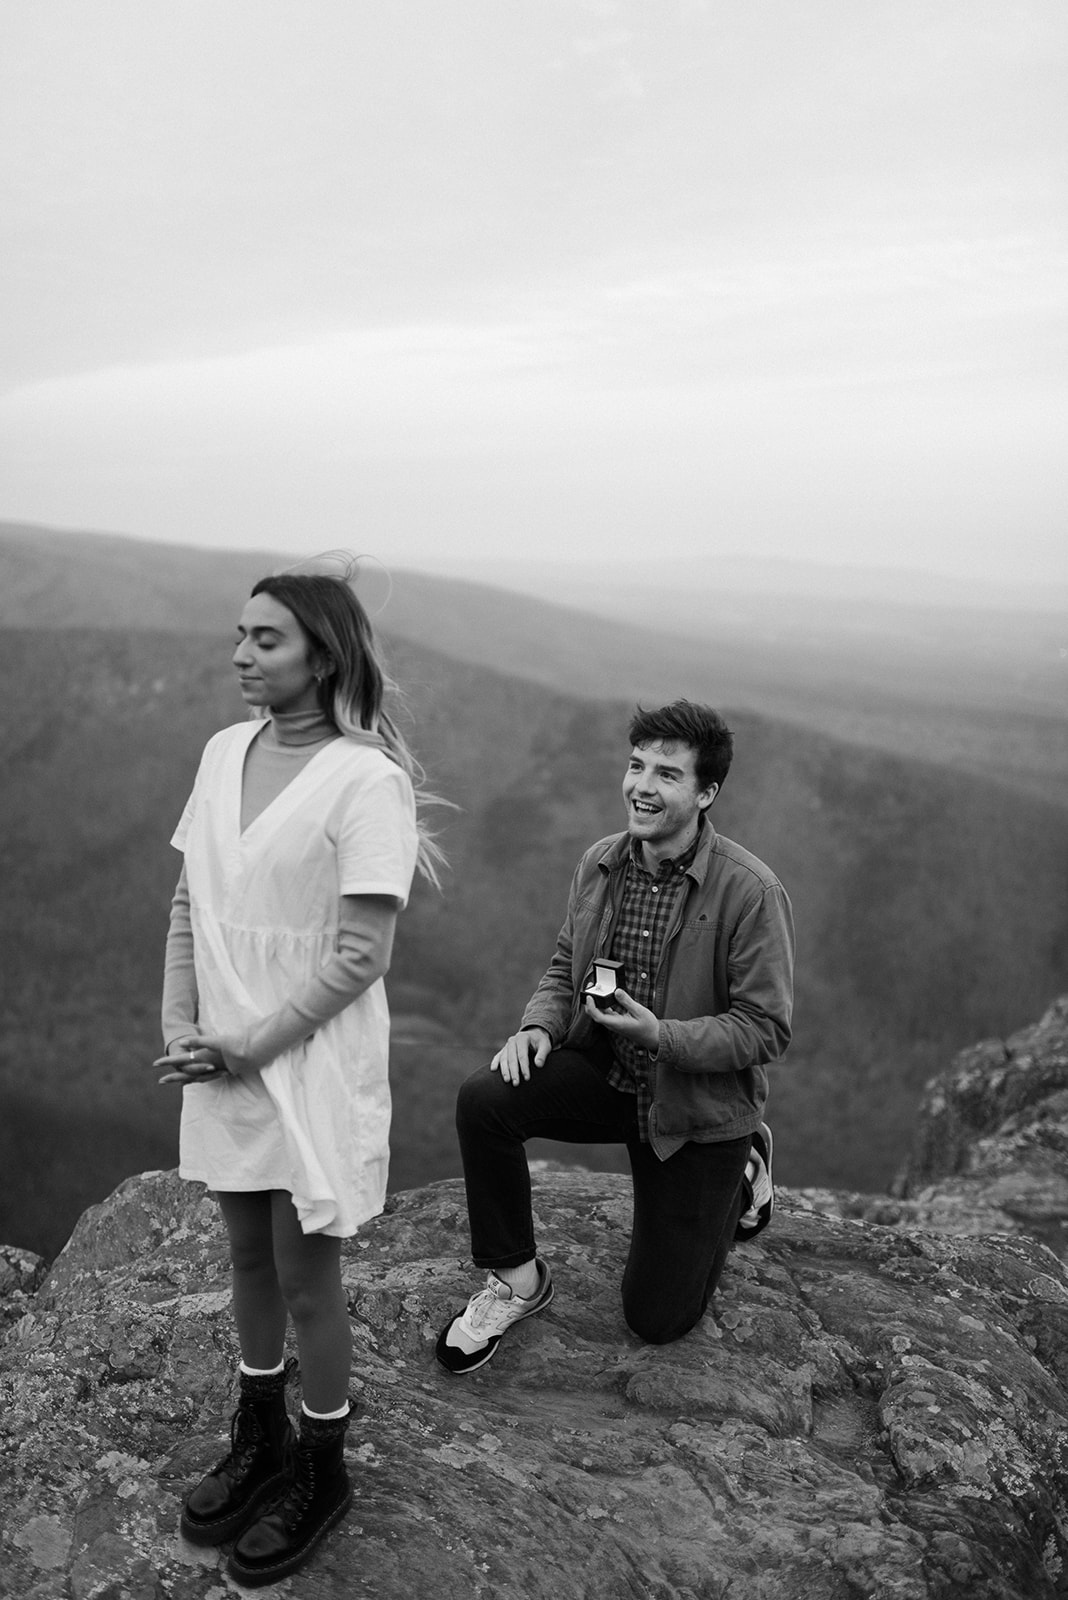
pixel 534 811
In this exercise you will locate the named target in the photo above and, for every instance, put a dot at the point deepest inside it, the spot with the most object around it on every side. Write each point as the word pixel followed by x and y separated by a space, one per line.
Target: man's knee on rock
pixel 658 1327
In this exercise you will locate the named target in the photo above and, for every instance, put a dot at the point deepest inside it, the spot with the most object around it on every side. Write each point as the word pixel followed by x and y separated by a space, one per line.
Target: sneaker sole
pixel 478 1358
pixel 769 1146
pixel 767 1209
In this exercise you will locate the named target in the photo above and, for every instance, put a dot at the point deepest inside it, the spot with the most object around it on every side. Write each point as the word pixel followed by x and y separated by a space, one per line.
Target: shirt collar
pixel 676 864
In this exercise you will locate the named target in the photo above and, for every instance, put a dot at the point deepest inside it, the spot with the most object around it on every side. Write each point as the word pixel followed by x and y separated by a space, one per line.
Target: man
pixel 672 1066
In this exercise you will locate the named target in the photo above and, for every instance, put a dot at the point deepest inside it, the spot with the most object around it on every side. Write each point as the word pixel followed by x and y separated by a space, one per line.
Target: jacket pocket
pixel 708 1102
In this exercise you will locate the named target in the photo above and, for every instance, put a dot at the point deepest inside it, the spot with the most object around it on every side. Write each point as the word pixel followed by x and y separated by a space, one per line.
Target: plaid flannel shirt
pixel 646 911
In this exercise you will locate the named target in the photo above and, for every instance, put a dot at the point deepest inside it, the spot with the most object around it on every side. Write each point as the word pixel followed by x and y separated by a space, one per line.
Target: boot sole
pixel 256 1577
pixel 213 1533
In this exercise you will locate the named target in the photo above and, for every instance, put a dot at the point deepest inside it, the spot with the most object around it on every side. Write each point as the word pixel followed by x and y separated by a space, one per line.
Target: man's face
pixel 662 796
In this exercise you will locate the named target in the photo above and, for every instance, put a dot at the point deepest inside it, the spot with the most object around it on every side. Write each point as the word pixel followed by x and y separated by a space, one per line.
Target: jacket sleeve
pixel 755 1028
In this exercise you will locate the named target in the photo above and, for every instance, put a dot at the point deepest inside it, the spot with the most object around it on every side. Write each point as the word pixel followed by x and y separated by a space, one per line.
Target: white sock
pixel 522 1281
pixel 261 1372
pixel 325 1416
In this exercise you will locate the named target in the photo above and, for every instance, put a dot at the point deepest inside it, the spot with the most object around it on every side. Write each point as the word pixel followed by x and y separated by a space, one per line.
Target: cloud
pixel 601 263
pixel 611 54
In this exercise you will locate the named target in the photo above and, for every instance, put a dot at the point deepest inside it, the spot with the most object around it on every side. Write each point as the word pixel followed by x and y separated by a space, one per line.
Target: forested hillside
pixel 930 908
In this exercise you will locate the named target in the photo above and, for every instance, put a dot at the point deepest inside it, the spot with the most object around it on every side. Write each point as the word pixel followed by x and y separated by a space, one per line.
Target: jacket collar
pixel 616 852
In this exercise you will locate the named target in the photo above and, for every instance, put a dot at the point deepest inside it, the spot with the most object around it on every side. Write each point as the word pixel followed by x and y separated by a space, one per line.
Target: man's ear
pixel 706 796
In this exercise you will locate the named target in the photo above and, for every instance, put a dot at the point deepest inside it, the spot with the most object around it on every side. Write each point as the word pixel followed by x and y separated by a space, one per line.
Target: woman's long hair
pixel 354 686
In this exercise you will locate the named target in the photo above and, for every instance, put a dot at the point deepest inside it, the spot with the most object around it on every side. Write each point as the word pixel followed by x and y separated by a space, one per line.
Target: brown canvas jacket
pixel 724 987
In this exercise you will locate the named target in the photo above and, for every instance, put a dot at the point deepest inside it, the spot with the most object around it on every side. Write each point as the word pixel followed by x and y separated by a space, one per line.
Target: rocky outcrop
pixel 992 1134
pixel 876 1406
pixel 1011 1090
pixel 990 1154
pixel 21 1274
pixel 868 1412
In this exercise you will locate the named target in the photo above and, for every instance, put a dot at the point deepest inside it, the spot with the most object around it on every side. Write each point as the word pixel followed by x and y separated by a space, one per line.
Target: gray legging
pixel 685 1208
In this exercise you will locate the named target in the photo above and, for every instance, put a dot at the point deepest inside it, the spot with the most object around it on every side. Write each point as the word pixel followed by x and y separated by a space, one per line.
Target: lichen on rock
pixel 991 1140
pixel 865 1411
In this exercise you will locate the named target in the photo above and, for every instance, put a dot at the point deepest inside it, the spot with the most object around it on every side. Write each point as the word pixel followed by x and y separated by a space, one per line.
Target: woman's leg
pixel 319 1491
pixel 259 1309
pixel 254 1468
pixel 308 1266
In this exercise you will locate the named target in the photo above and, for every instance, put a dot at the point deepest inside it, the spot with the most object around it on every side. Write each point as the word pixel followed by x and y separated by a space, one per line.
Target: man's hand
pixel 627 1018
pixel 513 1060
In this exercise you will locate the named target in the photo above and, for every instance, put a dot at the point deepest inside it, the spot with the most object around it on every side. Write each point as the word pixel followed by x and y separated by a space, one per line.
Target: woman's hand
pixel 202 1056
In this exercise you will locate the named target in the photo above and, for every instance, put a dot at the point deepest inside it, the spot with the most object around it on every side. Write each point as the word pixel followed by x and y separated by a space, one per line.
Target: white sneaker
pixel 471 1339
pixel 759 1190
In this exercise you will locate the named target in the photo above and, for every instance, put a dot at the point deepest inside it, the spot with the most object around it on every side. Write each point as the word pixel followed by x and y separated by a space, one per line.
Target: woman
pixel 300 841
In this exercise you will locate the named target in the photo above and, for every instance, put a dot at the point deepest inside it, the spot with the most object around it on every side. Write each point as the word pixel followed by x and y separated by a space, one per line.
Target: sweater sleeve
pixel 180 999
pixel 366 926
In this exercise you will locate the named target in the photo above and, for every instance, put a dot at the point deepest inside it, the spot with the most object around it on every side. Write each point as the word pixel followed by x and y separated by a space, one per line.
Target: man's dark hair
pixel 699 726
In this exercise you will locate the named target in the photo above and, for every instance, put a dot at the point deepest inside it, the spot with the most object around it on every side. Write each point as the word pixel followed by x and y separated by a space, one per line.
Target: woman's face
pixel 274 662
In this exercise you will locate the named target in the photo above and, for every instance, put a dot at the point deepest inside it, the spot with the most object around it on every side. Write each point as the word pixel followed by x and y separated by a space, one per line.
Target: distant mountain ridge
pixel 962 689
pixel 930 909
pixel 930 906
pixel 736 572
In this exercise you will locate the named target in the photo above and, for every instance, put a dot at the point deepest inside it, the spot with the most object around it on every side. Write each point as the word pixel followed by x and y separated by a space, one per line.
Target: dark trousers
pixel 685 1208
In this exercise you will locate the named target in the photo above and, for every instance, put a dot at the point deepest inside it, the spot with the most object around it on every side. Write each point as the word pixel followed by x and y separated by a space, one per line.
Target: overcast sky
pixel 436 278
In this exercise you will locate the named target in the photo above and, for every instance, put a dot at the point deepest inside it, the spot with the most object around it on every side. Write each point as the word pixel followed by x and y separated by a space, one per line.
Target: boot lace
pixel 292 1505
pixel 246 1436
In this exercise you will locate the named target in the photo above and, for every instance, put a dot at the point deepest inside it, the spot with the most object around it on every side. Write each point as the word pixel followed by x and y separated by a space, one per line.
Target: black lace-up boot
pixel 261 1433
pixel 318 1495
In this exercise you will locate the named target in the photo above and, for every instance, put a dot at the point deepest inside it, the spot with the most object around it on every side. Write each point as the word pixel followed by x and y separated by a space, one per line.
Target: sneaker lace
pixel 487 1309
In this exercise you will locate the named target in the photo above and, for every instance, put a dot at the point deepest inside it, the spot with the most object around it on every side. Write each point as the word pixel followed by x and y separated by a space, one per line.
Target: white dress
pixel 264 907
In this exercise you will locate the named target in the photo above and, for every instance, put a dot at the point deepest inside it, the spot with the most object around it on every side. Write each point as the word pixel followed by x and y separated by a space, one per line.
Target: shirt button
pixel 643 974
pixel 655 889
pixel 645 933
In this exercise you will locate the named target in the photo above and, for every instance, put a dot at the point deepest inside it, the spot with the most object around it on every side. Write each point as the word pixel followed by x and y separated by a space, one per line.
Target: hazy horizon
pixel 575 580
pixel 585 282
pixel 614 586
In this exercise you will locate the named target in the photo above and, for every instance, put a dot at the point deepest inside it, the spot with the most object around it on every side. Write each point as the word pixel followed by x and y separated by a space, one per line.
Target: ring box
pixel 603 981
